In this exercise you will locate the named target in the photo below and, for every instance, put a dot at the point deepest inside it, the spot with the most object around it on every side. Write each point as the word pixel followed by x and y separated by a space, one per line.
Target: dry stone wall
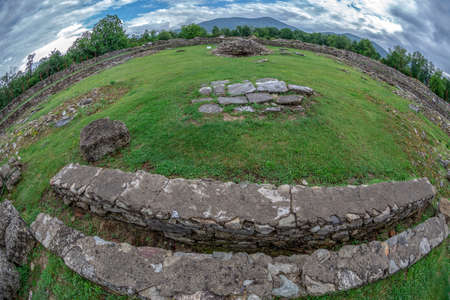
pixel 241 215
pixel 153 273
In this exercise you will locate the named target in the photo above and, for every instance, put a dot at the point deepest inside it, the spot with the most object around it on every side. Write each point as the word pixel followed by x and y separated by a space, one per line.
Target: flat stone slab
pixel 259 97
pixel 201 100
pixel 290 100
pixel 244 109
pixel 153 273
pixel 241 214
pixel 232 100
pixel 219 82
pixel 210 109
pixel 301 89
pixel 273 109
pixel 219 90
pixel 241 88
pixel 271 86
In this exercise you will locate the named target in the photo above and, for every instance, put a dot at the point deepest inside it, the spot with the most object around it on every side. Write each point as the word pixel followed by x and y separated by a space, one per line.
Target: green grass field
pixel 355 131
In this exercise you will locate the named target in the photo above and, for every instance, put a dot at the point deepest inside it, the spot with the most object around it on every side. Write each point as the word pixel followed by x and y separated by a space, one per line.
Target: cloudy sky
pixel 30 26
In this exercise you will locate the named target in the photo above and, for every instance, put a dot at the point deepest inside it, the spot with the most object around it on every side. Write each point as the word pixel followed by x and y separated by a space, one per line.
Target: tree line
pixel 109 35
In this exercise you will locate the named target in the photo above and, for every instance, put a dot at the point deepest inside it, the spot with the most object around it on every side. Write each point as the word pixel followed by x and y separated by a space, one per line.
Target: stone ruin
pixel 276 95
pixel 240 47
pixel 276 215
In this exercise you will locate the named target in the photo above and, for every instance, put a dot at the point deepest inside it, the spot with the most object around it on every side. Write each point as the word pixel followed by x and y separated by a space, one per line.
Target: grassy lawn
pixel 355 131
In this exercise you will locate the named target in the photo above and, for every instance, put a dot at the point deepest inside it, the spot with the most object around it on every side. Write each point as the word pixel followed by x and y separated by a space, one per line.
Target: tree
pixel 366 48
pixel 82 48
pixel 437 84
pixel 286 33
pixel 226 32
pixel 29 65
pixel 164 36
pixel 192 31
pixel 108 35
pixel 216 31
pixel 421 68
pixel 398 59
pixel 245 31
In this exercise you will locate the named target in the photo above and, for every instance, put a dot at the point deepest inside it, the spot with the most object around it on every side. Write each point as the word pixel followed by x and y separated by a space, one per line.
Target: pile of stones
pixel 275 94
pixel 16 242
pixel 240 47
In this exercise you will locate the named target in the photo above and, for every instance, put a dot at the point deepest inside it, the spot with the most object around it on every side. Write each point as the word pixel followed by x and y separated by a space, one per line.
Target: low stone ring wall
pixel 152 273
pixel 241 215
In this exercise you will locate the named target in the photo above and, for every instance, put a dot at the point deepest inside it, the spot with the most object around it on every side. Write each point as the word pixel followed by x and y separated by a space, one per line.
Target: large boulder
pixel 240 47
pixel 9 278
pixel 102 137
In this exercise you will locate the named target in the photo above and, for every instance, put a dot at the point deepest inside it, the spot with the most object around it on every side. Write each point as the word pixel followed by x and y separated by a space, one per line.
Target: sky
pixel 30 26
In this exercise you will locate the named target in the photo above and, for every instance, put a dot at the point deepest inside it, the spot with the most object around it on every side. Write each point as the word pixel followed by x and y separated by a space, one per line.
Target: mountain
pixel 232 23
pixel 353 37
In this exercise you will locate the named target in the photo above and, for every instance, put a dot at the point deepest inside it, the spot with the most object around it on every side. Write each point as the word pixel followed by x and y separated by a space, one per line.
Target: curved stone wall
pixel 241 215
pixel 153 273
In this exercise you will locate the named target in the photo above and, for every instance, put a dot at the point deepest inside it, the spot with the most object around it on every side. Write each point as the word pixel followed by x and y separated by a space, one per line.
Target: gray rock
pixel 241 88
pixel 288 289
pixel 219 82
pixel 414 108
pixel 273 109
pixel 335 220
pixel 63 122
pixel 7 213
pixel 201 100
pixel 301 89
pixel 259 97
pixel 5 171
pixel 290 100
pixel 13 179
pixel 210 109
pixel 219 90
pixel 299 54
pixel 18 241
pixel 274 86
pixel 205 90
pixel 444 208
pixel 348 279
pixel 85 102
pixel 232 100
pixel 102 137
pixel 244 109
pixel 297 108
pixel 9 278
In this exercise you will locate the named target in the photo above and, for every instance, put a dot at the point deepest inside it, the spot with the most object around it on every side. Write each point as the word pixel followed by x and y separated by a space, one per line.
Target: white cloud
pixel 65 39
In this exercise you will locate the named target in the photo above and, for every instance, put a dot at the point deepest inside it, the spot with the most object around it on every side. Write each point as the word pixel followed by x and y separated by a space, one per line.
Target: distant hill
pixel 232 23
pixel 353 37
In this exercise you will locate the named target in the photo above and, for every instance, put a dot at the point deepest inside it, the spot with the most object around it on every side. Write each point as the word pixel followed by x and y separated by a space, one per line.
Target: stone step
pixel 153 273
pixel 241 215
